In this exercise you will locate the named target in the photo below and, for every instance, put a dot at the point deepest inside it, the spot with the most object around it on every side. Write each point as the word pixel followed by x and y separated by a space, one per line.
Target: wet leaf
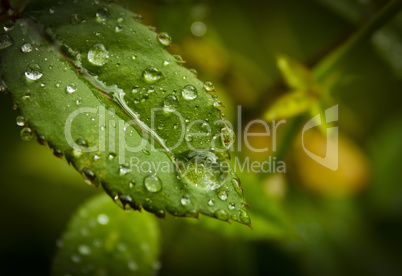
pixel 101 90
pixel 103 240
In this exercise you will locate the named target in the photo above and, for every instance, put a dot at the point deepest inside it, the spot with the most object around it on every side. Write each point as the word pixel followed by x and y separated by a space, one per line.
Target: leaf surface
pixel 101 89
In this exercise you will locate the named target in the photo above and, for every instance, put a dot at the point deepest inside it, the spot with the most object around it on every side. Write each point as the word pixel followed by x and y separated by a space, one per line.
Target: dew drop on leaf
pixel 211 203
pixel 98 55
pixel 228 137
pixel 33 71
pixel 185 201
pixel 223 195
pixel 152 183
pixel 71 88
pixel 26 48
pixel 102 14
pixel 170 103
pixel 151 75
pixel 26 134
pixel 5 41
pixel 244 217
pixel 222 214
pixel 189 92
pixel 21 121
pixel 209 87
pixel 164 39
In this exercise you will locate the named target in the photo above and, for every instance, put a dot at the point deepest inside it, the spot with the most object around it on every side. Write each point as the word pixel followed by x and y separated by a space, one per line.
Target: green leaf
pixel 103 240
pixel 289 105
pixel 296 75
pixel 103 91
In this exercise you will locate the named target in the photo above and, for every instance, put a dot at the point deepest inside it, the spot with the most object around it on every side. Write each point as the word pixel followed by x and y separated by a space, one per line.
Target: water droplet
pixel 170 103
pixel 185 201
pixel 75 19
pixel 26 48
pixel 231 206
pixel 188 137
pixel 179 59
pixel 209 87
pixel 152 183
pixel 244 217
pixel 5 41
pixel 9 25
pixel 223 195
pixel 123 170
pixel 21 121
pixel 26 134
pixel 236 185
pixel 118 29
pixel 3 86
pixel 102 14
pixel 211 203
pixel 98 55
pixel 189 92
pixel 103 219
pixel 222 215
pixel 204 170
pixel 33 71
pixel 228 137
pixel 84 250
pixel 89 174
pixel 111 156
pixel 152 75
pixel 195 72
pixel 131 184
pixel 146 152
pixel 71 88
pixel 164 39
pixel 166 63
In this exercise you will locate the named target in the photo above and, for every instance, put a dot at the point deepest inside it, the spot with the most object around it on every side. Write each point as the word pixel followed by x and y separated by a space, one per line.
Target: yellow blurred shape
pixel 351 176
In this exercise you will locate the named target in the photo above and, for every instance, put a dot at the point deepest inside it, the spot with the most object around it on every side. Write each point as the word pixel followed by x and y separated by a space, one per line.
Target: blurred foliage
pixel 310 221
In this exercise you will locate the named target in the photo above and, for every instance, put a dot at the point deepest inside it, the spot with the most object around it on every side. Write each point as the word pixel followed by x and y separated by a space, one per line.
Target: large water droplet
pixel 164 39
pixel 228 137
pixel 5 41
pixel 152 75
pixel 33 71
pixel 71 88
pixel 102 14
pixel 204 170
pixel 26 48
pixel 170 103
pixel 98 55
pixel 26 134
pixel 185 201
pixel 152 183
pixel 189 92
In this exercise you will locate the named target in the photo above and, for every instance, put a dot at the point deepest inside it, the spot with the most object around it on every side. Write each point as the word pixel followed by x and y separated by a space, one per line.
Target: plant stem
pixel 334 58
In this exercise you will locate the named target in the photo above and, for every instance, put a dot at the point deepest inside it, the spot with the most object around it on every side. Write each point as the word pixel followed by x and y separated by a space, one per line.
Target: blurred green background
pixel 310 221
